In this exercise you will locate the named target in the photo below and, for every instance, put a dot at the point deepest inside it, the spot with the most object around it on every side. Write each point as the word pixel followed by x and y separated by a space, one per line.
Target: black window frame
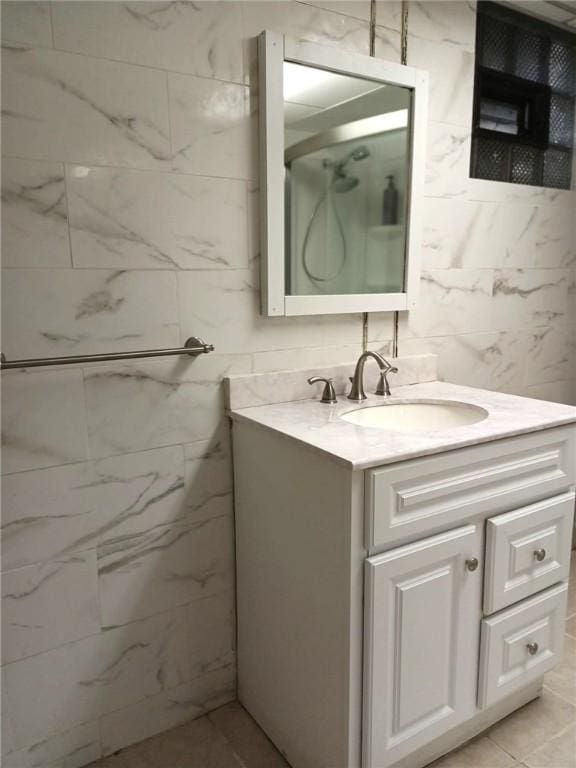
pixel 504 84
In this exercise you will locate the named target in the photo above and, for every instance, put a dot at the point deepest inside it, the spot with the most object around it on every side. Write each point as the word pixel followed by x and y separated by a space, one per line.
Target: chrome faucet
pixel 357 391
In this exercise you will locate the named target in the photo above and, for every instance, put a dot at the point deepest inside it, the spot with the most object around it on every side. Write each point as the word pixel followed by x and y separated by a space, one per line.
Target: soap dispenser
pixel 390 203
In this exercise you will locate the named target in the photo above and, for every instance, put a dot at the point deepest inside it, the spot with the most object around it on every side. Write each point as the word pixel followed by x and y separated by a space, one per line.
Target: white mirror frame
pixel 273 50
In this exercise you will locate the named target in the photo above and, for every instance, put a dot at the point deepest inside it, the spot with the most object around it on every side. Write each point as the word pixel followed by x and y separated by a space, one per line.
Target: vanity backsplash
pixel 249 390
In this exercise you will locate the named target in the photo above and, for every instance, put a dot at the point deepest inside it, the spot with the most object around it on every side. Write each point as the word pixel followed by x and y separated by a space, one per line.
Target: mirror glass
pixel 346 156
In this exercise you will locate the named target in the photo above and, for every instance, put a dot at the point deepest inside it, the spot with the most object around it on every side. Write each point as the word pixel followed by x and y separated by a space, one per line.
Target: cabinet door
pixel 422 619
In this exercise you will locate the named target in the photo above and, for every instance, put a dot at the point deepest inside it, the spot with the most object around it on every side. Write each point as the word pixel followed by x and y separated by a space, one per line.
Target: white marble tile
pixel 571 309
pixel 165 567
pixel 460 233
pixel 381 326
pixel 307 21
pixel 389 14
pixel 81 681
pixel 47 605
pixel 517 228
pixel 574 223
pixel 447 160
pixel 522 194
pixel 554 244
pixel 452 301
pixel 303 22
pixel 548 355
pixel 15 760
pixel 337 329
pixel 441 233
pixel 529 297
pixel 208 477
pixel 70 749
pixel 34 217
pixel 59 106
pixel 6 735
pixel 554 391
pixel 452 23
pixel 47 513
pixel 136 219
pixel 212 629
pixel 489 360
pixel 26 22
pixel 224 308
pixel 571 336
pixel 507 358
pixel 43 420
pixel 213 130
pixel 197 38
pixel 72 311
pixel 451 79
pixel 387 44
pixel 480 240
pixel 170 402
pixel 289 359
pixel 167 710
pixel 359 9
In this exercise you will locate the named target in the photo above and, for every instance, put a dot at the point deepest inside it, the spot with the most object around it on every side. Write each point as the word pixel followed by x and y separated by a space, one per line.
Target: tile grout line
pixel 558 696
pixel 546 742
pixel 106 629
pixel 27 47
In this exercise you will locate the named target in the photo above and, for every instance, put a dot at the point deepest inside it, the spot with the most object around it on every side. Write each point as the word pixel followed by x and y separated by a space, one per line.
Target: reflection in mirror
pixel 347 167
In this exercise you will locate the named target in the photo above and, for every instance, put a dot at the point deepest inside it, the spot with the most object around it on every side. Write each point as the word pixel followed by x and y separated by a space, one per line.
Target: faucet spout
pixel 357 390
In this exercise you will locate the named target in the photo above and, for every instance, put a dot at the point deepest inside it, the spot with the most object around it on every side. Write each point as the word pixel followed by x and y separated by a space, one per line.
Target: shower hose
pixel 317 278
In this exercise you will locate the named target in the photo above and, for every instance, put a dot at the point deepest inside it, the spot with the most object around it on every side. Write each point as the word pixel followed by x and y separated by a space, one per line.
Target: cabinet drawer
pixel 414 497
pixel 520 644
pixel 527 550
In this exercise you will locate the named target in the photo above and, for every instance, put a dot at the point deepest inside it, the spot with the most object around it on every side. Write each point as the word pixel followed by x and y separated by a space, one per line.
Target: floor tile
pixel 194 745
pixel 480 753
pixel 562 679
pixel 114 761
pixel 559 752
pixel 245 736
pixel 539 735
pixel 528 728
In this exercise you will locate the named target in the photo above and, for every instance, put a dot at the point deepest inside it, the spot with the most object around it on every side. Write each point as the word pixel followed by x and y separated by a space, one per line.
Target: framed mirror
pixel 342 140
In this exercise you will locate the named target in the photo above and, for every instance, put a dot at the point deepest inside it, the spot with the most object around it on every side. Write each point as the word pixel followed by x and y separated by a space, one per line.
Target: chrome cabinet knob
pixel 532 648
pixel 472 564
pixel 540 554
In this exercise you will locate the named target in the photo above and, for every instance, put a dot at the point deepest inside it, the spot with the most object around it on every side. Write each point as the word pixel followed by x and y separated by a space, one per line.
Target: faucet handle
pixel 328 393
pixel 383 387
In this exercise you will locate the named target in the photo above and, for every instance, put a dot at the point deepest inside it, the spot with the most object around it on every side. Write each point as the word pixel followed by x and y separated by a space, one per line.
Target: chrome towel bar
pixel 192 347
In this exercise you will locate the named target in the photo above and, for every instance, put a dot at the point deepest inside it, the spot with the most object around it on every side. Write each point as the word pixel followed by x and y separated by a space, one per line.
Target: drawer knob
pixel 472 564
pixel 532 648
pixel 540 554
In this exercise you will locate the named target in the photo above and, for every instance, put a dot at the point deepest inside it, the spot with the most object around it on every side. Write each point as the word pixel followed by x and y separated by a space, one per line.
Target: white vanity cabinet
pixel 387 614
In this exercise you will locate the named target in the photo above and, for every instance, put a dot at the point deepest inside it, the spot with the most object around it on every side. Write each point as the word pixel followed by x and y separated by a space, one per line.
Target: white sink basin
pixel 417 415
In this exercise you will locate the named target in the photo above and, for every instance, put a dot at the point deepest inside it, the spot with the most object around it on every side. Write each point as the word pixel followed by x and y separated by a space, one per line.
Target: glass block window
pixel 524 99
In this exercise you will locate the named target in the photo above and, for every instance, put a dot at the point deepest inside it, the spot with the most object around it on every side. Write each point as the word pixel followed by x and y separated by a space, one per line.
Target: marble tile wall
pixel 499 261
pixel 130 220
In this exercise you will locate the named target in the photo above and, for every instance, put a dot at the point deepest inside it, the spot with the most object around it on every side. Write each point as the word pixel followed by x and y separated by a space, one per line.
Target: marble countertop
pixel 320 427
